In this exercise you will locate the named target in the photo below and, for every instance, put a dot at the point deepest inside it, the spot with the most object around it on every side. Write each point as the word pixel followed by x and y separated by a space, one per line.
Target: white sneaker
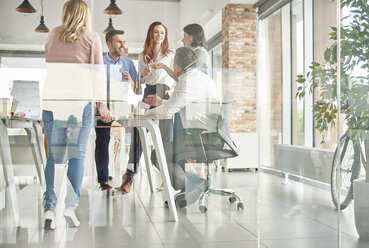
pixel 71 218
pixel 49 218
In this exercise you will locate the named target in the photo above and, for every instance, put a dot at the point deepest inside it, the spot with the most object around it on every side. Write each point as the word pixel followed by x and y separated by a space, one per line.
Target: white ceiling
pixel 17 30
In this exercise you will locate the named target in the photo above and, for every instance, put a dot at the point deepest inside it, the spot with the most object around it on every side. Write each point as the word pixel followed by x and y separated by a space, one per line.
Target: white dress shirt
pixel 197 100
pixel 159 76
pixel 203 62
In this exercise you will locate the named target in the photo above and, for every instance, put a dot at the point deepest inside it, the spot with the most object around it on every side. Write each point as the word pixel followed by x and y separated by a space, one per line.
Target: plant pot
pixel 361 207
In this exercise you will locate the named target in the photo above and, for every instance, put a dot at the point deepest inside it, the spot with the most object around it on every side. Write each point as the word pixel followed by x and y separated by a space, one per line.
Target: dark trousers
pixel 165 126
pixel 177 127
pixel 102 151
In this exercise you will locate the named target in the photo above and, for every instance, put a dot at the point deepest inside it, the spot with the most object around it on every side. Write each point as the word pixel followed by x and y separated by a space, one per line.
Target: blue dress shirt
pixel 115 69
pixel 126 65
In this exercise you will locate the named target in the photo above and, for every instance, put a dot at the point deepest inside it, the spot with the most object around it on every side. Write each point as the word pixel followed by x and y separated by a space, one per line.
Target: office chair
pixel 214 146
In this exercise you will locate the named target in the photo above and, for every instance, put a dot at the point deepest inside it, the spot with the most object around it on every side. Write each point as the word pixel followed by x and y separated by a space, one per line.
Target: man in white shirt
pixel 197 100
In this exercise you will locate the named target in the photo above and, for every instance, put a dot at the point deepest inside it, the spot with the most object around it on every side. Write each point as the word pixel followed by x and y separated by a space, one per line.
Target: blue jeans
pixel 66 141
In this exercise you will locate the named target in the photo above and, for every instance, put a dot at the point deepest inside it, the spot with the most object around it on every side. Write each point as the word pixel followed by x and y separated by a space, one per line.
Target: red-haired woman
pixel 158 82
pixel 156 50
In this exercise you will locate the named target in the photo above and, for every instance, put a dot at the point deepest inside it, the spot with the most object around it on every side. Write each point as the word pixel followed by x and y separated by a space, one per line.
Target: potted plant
pixel 353 100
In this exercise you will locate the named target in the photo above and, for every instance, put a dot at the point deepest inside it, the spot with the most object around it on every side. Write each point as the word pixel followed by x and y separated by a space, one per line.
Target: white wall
pixel 192 11
pixel 18 29
pixel 137 17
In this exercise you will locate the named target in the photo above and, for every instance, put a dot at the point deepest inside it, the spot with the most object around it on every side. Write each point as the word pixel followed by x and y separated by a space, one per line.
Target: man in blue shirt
pixel 119 68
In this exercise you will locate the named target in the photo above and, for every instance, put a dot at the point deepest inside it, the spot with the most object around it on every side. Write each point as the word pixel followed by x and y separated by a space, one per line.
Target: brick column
pixel 239 64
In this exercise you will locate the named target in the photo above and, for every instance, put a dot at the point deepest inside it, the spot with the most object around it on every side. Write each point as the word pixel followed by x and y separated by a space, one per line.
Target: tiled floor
pixel 275 216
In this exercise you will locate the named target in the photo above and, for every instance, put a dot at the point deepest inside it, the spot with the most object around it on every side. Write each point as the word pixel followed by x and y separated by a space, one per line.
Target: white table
pixel 33 128
pixel 142 123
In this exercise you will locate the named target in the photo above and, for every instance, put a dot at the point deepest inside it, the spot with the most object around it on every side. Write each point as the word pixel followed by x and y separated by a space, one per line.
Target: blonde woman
pixel 71 42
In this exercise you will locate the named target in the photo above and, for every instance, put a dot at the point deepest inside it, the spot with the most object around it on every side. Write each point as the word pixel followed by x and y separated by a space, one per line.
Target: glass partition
pixel 267 150
pixel 351 178
pixel 75 89
pixel 315 179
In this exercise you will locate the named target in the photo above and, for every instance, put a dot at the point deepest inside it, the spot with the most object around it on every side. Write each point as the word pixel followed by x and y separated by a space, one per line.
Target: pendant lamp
pixel 41 28
pixel 25 7
pixel 110 26
pixel 113 9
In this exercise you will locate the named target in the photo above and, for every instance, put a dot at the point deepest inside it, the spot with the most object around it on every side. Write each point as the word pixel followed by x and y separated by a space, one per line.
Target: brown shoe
pixel 126 183
pixel 106 186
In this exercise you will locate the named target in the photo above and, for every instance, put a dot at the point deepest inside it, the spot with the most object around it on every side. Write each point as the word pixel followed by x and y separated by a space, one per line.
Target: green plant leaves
pixel 354 54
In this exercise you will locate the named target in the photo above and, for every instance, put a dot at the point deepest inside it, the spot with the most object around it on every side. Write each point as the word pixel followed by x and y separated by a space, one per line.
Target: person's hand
pixel 146 71
pixel 106 118
pixel 127 76
pixel 153 100
pixel 104 112
pixel 158 66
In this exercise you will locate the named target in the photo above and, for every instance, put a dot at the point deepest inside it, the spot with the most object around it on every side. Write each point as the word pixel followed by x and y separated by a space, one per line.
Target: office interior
pixel 300 135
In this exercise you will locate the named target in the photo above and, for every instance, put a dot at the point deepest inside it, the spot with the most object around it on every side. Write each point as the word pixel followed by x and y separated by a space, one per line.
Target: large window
pixel 291 38
pixel 297 67
pixel 323 21
pixel 270 88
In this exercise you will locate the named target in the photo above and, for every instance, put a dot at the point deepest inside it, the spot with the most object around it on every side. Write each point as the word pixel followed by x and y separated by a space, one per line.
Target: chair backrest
pixel 224 121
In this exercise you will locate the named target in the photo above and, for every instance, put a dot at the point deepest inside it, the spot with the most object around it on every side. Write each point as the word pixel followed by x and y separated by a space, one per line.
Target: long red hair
pixel 149 42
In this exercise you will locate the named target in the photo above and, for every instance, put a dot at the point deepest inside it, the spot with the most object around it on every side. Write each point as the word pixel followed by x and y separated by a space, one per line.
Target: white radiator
pixel 313 163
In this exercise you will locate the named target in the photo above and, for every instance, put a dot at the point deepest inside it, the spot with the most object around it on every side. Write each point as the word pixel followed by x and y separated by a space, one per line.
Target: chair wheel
pixel 240 205
pixel 232 199
pixel 203 209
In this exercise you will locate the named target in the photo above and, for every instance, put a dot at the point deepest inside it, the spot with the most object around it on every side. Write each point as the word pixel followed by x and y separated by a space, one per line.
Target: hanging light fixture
pixel 113 9
pixel 110 26
pixel 25 7
pixel 41 28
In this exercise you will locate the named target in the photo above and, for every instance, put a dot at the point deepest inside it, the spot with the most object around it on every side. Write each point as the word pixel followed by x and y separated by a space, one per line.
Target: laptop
pixel 26 99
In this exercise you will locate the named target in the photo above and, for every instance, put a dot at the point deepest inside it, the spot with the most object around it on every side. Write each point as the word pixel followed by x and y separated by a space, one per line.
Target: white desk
pixel 33 128
pixel 147 122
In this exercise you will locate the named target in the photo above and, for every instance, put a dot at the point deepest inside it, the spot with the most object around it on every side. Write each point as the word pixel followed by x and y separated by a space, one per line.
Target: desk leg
pixel 36 154
pixel 6 160
pixel 159 149
pixel 37 126
pixel 143 138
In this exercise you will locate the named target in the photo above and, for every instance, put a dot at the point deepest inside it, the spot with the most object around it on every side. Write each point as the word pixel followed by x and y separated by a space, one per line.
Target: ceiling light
pixel 207 13
pixel 113 9
pixel 110 26
pixel 25 7
pixel 41 28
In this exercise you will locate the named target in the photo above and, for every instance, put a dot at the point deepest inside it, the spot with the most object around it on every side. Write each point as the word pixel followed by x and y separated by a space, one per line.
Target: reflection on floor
pixel 275 215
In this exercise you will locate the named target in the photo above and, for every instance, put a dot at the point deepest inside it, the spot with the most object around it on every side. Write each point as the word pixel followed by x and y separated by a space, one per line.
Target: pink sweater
pixel 80 51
